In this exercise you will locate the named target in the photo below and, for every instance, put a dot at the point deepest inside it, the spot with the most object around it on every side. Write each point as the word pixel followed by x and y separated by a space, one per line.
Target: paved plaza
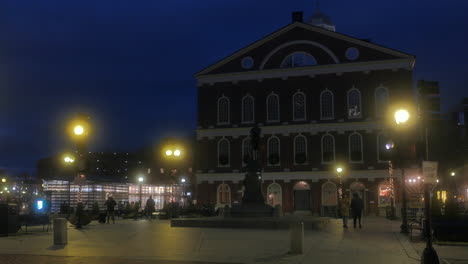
pixel 155 241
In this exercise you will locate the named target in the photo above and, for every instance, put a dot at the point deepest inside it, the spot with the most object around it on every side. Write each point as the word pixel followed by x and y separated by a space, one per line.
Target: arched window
pixel 383 154
pixel 223 153
pixel 247 109
pixel 224 195
pixel 326 105
pixel 299 106
pixel 298 59
pixel 354 103
pixel 273 112
pixel 328 148
pixel 274 194
pixel 381 101
pixel 246 148
pixel 273 151
pixel 300 149
pixel 223 110
pixel 355 147
pixel 329 194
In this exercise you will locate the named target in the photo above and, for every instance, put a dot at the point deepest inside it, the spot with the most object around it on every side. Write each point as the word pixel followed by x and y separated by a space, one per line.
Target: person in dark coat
pixel 150 207
pixel 110 204
pixel 356 208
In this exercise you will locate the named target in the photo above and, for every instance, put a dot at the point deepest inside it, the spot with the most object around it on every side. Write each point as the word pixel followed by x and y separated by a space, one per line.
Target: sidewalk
pixel 145 242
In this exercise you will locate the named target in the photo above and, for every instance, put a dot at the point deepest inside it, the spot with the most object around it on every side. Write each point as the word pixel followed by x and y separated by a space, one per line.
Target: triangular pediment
pixel 327 47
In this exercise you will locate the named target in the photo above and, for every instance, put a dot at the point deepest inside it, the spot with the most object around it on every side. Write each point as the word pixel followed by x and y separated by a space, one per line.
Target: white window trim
pixel 334 151
pixel 243 154
pixel 294 106
pixel 268 152
pixel 218 202
pixel 380 87
pixel 360 103
pixel 378 149
pixel 228 112
pixel 229 153
pixel 336 193
pixel 268 120
pixel 294 150
pixel 281 191
pixel 297 52
pixel 332 103
pixel 242 109
pixel 349 148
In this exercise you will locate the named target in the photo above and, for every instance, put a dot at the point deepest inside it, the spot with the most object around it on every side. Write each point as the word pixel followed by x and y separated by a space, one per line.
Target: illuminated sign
pixel 39 205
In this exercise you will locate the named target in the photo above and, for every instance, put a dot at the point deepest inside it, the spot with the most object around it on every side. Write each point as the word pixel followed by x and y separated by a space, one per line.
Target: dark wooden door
pixel 302 200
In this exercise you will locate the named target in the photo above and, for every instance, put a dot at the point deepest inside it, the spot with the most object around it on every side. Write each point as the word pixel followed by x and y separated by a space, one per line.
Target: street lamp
pixel 339 170
pixel 401 118
pixel 3 180
pixel 78 130
pixel 177 152
pixel 140 181
pixel 452 173
pixel 168 152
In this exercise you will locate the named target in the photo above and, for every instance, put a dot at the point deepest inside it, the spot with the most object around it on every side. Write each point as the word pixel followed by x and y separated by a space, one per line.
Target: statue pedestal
pixel 252 210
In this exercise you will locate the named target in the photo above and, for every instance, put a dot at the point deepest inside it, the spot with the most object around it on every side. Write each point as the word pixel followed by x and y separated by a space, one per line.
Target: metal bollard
pixel 60 231
pixel 297 237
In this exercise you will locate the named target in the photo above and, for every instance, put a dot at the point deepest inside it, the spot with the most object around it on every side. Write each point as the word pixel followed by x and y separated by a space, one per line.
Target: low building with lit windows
pixel 321 100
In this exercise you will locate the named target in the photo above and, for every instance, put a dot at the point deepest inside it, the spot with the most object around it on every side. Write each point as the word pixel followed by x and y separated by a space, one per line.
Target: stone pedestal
pixel 252 210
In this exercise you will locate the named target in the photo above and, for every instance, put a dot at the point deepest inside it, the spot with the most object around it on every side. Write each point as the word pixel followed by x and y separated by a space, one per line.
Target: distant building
pixel 321 99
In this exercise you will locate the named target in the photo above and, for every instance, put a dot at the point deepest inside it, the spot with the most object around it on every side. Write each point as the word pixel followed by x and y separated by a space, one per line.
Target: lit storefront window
pixel 385 195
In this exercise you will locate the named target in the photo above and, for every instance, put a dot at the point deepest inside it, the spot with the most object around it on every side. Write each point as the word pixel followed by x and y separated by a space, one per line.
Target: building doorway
pixel 301 196
pixel 360 189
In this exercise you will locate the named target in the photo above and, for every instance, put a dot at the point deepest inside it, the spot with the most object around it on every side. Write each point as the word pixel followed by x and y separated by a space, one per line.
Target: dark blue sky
pixel 130 63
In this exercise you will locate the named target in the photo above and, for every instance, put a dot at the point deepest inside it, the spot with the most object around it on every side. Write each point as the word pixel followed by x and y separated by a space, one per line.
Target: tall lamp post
pixel 172 153
pixel 339 171
pixel 79 131
pixel 401 118
pixel 140 182
pixel 69 160
pixel 429 255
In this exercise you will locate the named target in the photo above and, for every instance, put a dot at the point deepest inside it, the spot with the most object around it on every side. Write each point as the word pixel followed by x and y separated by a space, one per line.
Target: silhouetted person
pixel 356 208
pixel 150 207
pixel 110 203
pixel 344 207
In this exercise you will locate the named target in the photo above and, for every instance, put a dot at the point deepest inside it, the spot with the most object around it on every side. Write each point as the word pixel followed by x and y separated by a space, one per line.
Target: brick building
pixel 321 99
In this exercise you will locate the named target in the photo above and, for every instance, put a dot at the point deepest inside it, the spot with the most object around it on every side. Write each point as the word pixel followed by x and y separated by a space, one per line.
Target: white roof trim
pixel 307 71
pixel 289 129
pixel 305 26
pixel 313 43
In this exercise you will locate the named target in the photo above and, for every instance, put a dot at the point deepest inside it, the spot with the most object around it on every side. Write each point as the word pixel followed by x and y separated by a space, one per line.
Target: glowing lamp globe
pixel 78 130
pixel 339 170
pixel 168 152
pixel 177 153
pixel 401 116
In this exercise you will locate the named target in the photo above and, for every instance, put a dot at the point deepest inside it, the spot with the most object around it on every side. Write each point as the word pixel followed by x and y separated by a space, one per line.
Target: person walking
pixel 356 208
pixel 344 208
pixel 110 203
pixel 150 207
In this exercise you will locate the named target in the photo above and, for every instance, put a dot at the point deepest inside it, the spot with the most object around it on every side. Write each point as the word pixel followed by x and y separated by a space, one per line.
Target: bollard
pixel 297 237
pixel 60 231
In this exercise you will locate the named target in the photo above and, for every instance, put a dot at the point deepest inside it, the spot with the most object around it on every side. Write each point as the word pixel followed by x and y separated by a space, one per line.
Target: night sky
pixel 130 64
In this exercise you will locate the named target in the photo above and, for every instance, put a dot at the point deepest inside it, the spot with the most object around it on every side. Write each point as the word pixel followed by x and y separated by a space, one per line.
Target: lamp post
pixel 401 118
pixel 339 171
pixel 140 181
pixel 173 153
pixel 69 160
pixel 429 255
